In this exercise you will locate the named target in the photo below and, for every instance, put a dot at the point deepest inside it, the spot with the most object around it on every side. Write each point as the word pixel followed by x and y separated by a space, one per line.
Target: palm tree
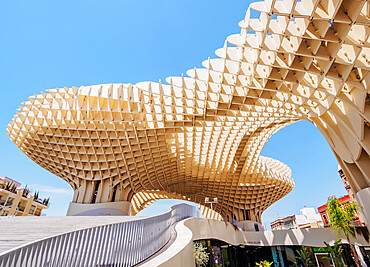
pixel 305 256
pixel 336 252
pixel 341 219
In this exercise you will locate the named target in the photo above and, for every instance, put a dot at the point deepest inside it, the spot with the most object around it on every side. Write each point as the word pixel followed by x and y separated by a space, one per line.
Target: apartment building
pixel 18 201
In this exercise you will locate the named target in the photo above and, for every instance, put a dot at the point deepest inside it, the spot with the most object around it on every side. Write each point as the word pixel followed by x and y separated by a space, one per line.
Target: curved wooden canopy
pixel 202 135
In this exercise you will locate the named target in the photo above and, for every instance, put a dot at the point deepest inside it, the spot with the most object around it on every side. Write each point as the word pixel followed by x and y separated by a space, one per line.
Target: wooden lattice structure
pixel 201 136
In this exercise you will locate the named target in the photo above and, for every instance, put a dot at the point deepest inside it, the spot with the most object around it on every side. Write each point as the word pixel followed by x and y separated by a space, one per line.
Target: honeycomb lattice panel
pixel 201 136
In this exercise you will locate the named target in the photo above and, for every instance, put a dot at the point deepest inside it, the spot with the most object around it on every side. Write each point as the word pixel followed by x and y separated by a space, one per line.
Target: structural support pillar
pixel 363 197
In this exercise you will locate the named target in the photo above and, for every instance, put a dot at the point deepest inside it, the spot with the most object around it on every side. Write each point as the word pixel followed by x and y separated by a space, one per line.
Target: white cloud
pixel 49 189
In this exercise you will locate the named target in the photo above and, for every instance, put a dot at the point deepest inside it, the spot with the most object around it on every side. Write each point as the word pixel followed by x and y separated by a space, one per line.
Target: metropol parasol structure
pixel 124 146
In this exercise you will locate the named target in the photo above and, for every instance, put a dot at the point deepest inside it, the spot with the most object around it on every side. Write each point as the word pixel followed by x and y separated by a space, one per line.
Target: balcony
pixel 42 202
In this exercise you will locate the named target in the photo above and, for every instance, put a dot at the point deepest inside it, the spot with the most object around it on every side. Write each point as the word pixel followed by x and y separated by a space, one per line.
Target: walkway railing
pixel 119 244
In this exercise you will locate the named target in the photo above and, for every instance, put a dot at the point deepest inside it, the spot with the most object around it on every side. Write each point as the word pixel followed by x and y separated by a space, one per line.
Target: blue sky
pixel 49 44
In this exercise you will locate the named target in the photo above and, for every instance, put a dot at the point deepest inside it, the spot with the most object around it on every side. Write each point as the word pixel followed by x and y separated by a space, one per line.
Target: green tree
pixel 305 256
pixel 341 219
pixel 336 252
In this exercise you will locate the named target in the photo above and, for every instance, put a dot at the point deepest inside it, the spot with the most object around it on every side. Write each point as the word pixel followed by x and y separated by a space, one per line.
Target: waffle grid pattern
pixel 202 135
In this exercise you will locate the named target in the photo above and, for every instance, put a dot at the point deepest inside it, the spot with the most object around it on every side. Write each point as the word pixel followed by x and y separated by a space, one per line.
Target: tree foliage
pixel 305 256
pixel 200 255
pixel 342 218
pixel 336 252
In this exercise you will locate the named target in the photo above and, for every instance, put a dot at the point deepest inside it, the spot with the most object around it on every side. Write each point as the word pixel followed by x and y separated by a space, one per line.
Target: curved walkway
pixel 18 231
pixel 102 241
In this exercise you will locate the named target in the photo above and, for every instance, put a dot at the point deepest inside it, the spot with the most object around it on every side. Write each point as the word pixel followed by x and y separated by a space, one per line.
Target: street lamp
pixel 207 201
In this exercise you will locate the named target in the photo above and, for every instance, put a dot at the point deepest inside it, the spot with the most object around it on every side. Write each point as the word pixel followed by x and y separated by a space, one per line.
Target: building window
pixel 20 207
pixel 9 202
pixel 325 219
pixel 38 212
pixel 32 209
pixel 3 213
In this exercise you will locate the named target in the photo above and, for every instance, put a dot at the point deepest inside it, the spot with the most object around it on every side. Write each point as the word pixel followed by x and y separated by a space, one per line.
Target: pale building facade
pixel 348 187
pixel 307 219
pixel 350 192
pixel 17 201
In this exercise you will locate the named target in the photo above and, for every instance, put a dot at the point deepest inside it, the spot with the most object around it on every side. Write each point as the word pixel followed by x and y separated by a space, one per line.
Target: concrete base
pixel 363 197
pixel 180 253
pixel 121 208
pixel 251 226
